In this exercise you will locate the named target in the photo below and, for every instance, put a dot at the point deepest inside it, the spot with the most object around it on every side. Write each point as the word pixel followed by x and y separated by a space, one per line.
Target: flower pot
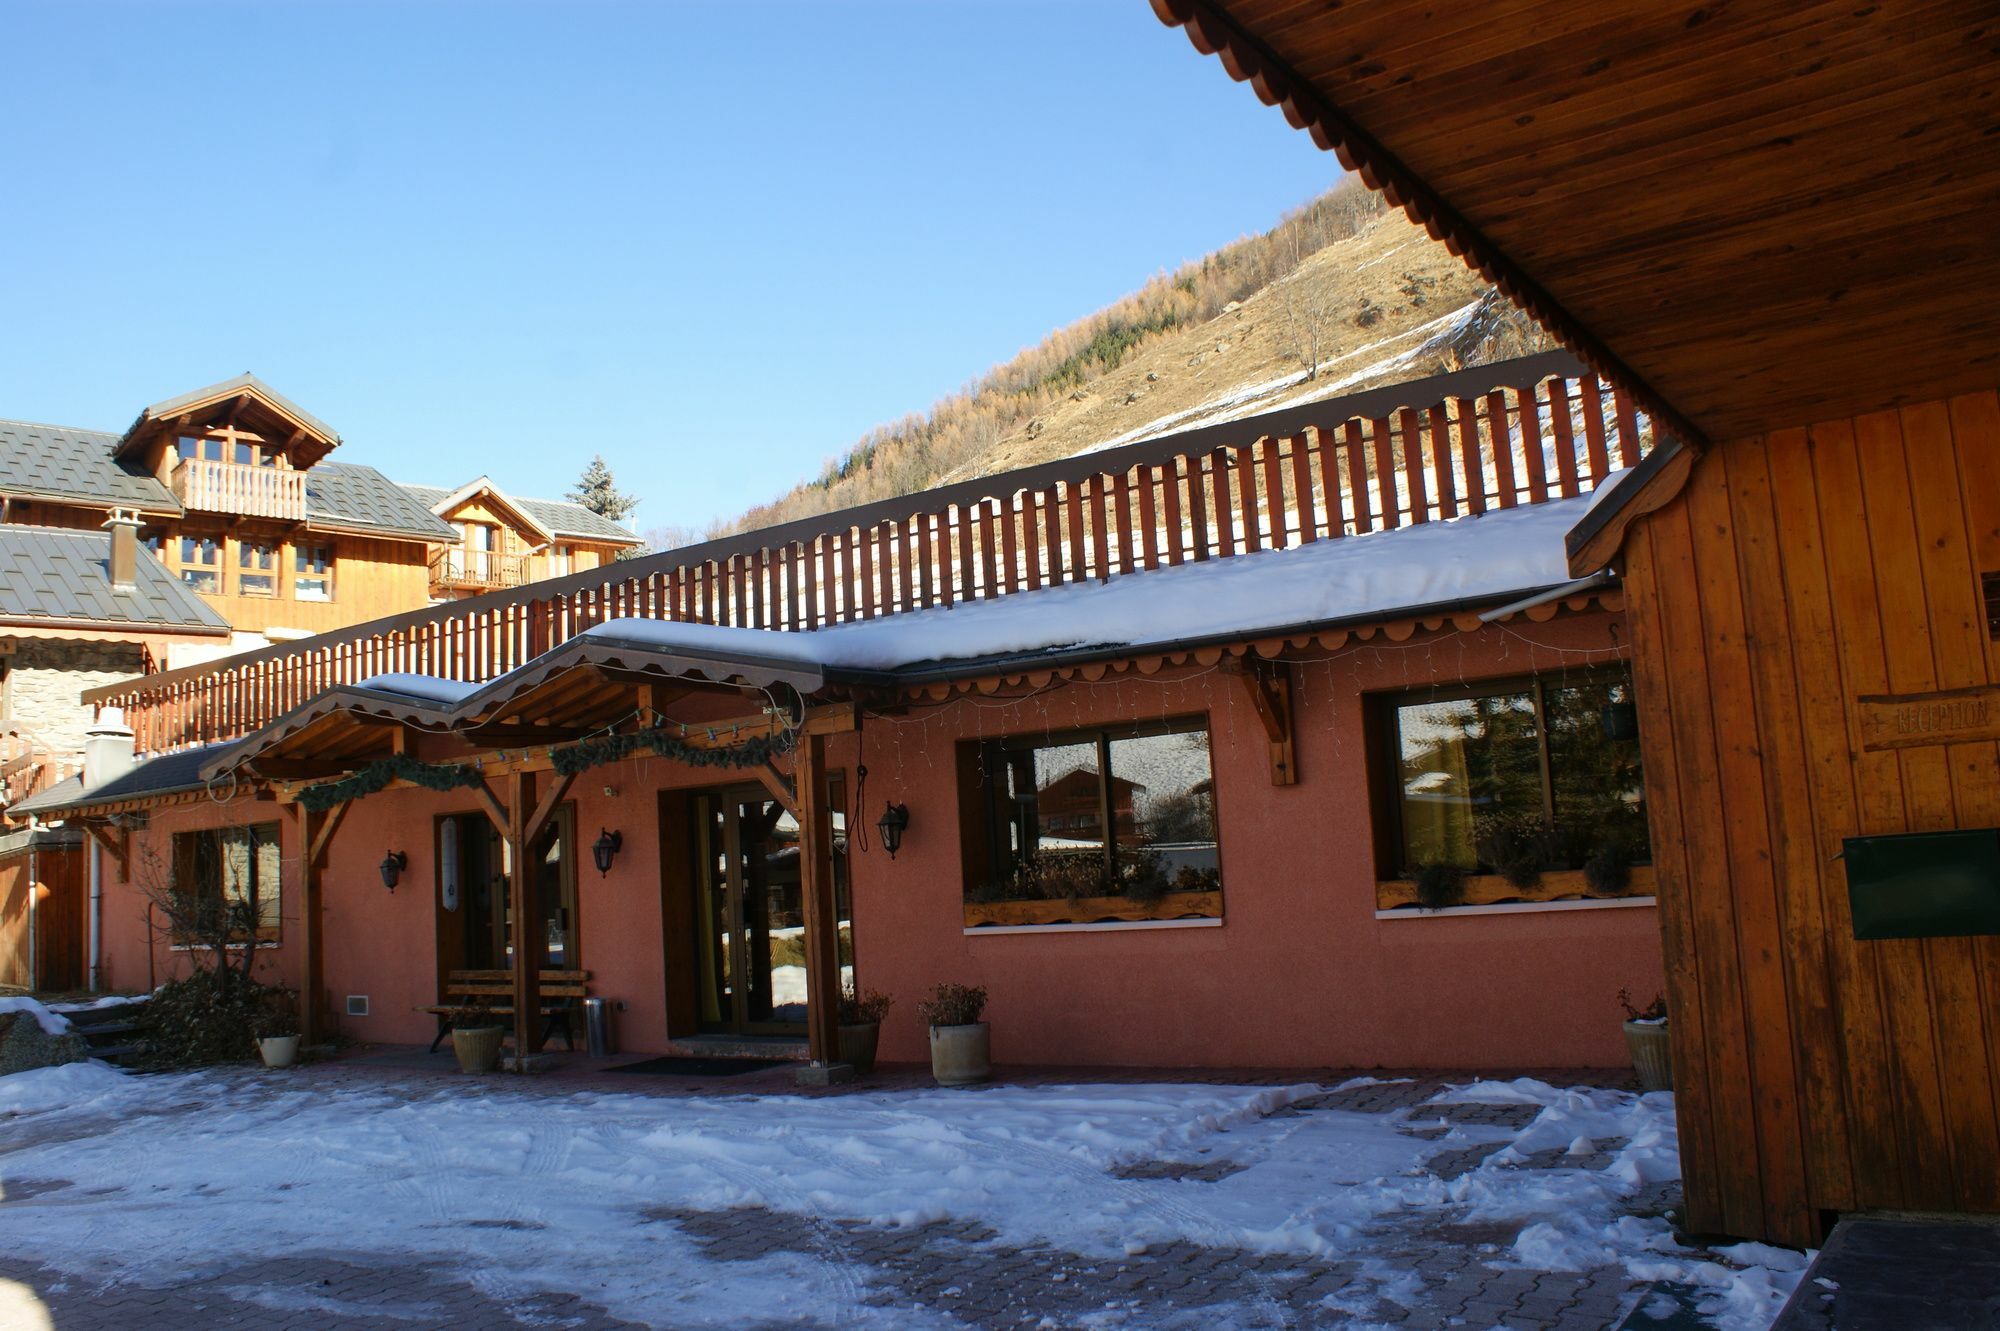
pixel 478 1048
pixel 279 1051
pixel 857 1046
pixel 961 1055
pixel 1652 1054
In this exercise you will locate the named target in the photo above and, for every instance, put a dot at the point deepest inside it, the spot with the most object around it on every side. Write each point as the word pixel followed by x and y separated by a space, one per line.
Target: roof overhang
pixel 244 399
pixel 1748 216
pixel 484 488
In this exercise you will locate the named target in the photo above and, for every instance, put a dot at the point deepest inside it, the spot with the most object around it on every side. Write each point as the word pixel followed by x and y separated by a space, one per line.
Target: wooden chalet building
pixel 256 536
pixel 1181 728
pixel 1773 226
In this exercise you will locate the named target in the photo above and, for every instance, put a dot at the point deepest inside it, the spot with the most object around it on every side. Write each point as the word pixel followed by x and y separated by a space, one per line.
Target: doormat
pixel 702 1067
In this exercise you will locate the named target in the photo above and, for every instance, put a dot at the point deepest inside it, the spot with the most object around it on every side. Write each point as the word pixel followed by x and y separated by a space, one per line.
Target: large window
pixel 1517 781
pixel 201 563
pixel 227 877
pixel 1092 826
pixel 257 568
pixel 312 572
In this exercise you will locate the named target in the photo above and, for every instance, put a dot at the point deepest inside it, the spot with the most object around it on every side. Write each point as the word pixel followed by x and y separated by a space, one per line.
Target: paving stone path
pixel 1429 1271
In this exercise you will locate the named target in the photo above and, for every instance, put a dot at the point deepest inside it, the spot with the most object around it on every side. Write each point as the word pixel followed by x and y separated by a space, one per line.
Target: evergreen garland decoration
pixel 586 754
pixel 375 776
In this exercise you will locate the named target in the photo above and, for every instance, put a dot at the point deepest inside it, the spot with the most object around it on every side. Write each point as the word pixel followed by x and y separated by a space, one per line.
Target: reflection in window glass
pixel 1522 779
pixel 1109 814
pixel 201 563
pixel 312 570
pixel 257 566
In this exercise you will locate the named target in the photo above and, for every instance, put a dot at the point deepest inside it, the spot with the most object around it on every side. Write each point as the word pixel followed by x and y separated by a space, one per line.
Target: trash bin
pixel 601 1039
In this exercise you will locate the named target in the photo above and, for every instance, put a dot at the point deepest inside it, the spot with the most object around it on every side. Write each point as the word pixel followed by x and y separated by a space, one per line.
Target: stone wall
pixel 45 677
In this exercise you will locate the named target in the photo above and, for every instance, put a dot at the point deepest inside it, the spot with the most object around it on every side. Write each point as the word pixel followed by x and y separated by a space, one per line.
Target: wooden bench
pixel 562 993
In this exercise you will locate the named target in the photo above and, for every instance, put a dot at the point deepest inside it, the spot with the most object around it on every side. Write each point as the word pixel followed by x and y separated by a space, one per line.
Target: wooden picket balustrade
pixel 1426 451
pixel 240 489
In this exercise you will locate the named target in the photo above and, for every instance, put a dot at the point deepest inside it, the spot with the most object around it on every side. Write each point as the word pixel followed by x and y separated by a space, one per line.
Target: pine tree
pixel 597 492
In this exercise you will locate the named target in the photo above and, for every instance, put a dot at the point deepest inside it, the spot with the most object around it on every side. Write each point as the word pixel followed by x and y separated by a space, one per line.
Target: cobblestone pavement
pixel 1429 1271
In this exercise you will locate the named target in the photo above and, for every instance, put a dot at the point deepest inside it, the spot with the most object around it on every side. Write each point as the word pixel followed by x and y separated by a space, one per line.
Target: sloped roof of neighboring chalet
pixel 559 517
pixel 353 497
pixel 76 467
pixel 175 773
pixel 243 384
pixel 56 577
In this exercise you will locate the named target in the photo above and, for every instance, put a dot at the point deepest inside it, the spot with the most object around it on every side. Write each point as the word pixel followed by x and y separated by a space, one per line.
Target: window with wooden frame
pixel 1091 826
pixel 1516 790
pixel 312 572
pixel 228 879
pixel 256 568
pixel 209 449
pixel 201 563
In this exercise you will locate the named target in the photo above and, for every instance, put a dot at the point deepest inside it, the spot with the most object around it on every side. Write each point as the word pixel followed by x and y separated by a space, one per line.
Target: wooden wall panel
pixel 1796 572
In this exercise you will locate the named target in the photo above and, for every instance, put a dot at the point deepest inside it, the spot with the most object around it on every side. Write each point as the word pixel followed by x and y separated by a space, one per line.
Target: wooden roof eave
pixel 354 705
pixel 1247 60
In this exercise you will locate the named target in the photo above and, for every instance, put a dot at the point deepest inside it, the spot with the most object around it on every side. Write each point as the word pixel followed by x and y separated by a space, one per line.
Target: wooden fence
pixel 1493 437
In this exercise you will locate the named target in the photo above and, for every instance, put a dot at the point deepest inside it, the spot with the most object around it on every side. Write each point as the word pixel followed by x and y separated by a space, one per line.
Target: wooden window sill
pixel 1490 889
pixel 1518 908
pixel 1174 907
pixel 1102 927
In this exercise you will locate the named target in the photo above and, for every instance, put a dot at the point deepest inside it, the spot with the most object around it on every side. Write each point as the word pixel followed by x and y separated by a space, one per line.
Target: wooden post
pixel 816 889
pixel 315 837
pixel 526 912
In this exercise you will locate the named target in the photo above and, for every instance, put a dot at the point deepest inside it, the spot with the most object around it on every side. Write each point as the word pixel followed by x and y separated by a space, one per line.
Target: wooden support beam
pixel 315 837
pixel 118 847
pixel 1269 686
pixel 822 923
pixel 496 812
pixel 521 809
pixel 780 786
pixel 545 809
pixel 837 718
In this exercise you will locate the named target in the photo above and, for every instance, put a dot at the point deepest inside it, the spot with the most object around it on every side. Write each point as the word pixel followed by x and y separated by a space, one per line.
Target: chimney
pixel 107 749
pixel 124 566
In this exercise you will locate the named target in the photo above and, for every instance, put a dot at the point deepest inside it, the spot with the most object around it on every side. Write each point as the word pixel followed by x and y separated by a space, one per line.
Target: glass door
pixel 752 917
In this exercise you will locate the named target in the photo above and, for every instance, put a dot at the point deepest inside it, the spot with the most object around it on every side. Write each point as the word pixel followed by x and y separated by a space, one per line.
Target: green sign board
pixel 1925 884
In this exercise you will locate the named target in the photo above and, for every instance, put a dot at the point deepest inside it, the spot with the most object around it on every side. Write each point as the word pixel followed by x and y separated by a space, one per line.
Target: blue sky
pixel 713 242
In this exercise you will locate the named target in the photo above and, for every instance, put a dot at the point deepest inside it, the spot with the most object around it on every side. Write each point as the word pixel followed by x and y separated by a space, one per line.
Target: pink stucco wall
pixel 1299 973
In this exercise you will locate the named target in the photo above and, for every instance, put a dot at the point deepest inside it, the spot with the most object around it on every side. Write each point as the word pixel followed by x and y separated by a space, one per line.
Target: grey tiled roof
pixel 356 497
pixel 160 775
pixel 558 515
pixel 56 462
pixel 53 575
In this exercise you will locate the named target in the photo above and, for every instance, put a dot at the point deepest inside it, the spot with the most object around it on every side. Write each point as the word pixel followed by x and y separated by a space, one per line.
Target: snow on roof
pixel 427 688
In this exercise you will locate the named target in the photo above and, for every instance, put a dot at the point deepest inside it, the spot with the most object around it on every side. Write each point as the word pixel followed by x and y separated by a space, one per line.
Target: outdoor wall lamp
pixel 602 849
pixel 393 865
pixel 894 820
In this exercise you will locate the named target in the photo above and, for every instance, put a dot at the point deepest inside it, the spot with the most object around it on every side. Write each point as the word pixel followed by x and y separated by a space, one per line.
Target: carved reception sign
pixel 1908 720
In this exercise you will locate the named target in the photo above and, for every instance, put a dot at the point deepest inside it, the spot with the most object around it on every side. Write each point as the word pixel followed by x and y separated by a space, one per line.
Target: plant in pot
pixel 861 1016
pixel 961 1043
pixel 277 1030
pixel 1646 1036
pixel 1439 886
pixel 476 1034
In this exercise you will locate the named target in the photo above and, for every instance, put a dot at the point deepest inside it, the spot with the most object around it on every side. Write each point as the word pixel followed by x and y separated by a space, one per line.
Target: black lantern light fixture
pixel 393 865
pixel 894 820
pixel 604 848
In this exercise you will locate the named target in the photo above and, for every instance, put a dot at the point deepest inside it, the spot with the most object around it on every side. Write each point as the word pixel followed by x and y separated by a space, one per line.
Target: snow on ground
pixel 529 1191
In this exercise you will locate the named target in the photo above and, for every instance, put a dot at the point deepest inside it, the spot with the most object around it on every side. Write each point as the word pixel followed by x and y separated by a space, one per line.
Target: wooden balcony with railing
pixel 456 570
pixel 1492 437
pixel 208 486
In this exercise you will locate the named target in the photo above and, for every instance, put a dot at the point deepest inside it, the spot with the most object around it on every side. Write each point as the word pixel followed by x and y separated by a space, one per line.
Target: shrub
pixel 865 1008
pixel 1653 1011
pixel 212 1016
pixel 1440 885
pixel 953 1005
pixel 280 1016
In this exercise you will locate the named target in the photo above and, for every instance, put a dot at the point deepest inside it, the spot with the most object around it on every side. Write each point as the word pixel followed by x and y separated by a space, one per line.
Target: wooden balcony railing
pixel 28 765
pixel 457 569
pixel 1491 437
pixel 236 488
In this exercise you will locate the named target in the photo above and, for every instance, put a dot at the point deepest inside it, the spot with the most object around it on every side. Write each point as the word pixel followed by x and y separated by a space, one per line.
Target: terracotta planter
pixel 961 1055
pixel 857 1046
pixel 478 1048
pixel 279 1051
pixel 1652 1054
